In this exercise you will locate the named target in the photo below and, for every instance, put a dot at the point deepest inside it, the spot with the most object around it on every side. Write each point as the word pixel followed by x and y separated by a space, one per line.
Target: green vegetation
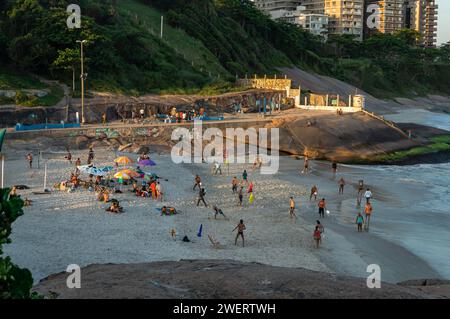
pixel 15 283
pixel 439 144
pixel 206 44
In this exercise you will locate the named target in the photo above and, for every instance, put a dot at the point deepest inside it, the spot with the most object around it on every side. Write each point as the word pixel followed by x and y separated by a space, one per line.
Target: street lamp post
pixel 83 121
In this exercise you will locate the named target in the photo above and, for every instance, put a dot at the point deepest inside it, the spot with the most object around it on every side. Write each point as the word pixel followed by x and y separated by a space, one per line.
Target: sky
pixel 443 21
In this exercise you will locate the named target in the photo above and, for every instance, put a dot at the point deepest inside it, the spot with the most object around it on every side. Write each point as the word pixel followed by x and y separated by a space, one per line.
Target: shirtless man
pixel 305 165
pixel 341 186
pixel 240 228
pixel 30 160
pixel 314 191
pixel 292 208
pixel 234 184
pixel 322 205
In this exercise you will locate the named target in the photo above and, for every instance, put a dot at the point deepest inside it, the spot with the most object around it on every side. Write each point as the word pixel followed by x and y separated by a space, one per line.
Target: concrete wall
pixel 265 83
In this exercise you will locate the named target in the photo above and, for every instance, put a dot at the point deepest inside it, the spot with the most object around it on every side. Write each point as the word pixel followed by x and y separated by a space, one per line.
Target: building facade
pixel 360 18
pixel 346 17
pixel 421 15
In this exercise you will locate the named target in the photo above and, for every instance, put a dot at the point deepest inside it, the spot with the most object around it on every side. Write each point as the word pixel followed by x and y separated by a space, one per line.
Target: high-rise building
pixel 388 13
pixel 421 15
pixel 345 16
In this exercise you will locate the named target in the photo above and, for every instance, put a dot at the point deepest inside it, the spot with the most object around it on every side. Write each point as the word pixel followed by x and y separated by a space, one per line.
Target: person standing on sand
pixel 334 168
pixel 368 195
pixel 305 165
pixel 241 196
pixel 197 182
pixel 321 228
pixel 201 197
pixel 69 156
pixel 245 176
pixel 240 228
pixel 341 186
pixel 234 185
pixel 359 222
pixel 292 208
pixel 360 191
pixel 30 160
pixel 322 205
pixel 314 191
pixel 91 155
pixel 317 236
pixel 368 212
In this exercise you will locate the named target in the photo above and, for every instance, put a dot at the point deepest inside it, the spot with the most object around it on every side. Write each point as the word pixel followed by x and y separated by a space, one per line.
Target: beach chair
pixel 215 244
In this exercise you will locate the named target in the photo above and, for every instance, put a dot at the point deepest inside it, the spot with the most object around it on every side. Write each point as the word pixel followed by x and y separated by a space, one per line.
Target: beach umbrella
pixel 123 160
pixel 130 172
pixel 122 176
pixel 84 168
pixel 147 162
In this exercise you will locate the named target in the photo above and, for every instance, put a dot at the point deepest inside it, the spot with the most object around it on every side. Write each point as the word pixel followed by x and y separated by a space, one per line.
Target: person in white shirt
pixel 368 195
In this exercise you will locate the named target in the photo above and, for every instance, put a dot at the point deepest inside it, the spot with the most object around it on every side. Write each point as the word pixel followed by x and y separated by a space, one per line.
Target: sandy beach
pixel 73 228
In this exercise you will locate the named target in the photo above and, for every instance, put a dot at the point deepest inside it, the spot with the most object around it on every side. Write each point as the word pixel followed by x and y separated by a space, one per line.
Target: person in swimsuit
pixel 317 236
pixel 30 160
pixel 241 196
pixel 218 211
pixel 306 165
pixel 292 208
pixel 314 191
pixel 359 222
pixel 322 206
pixel 201 197
pixel 234 184
pixel 245 176
pixel 240 228
pixel 197 182
pixel 341 186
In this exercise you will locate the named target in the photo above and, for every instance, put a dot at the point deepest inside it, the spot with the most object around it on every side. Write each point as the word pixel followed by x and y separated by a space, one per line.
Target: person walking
pixel 341 186
pixel 245 176
pixel 368 212
pixel 234 185
pixel 368 195
pixel 305 165
pixel 317 236
pixel 334 168
pixel 314 191
pixel 359 222
pixel 240 228
pixel 30 160
pixel 292 208
pixel 241 195
pixel 201 197
pixel 322 205
pixel 197 182
pixel 360 191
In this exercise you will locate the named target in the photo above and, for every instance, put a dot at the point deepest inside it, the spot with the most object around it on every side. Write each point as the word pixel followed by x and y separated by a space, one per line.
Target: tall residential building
pixel 345 16
pixel 421 15
pixel 390 14
pixel 314 23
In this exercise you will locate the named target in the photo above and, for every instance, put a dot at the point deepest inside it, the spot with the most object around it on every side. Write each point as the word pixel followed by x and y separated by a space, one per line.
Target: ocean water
pixel 419 219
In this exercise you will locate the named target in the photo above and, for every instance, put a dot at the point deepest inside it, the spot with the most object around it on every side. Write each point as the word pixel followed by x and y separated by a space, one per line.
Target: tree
pixel 15 283
pixel 67 59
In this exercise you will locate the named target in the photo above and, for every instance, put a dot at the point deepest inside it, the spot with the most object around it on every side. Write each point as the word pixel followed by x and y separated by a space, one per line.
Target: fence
pixel 21 128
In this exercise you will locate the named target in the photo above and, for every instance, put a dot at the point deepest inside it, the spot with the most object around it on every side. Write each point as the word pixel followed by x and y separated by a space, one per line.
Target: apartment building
pixel 345 16
pixel 421 15
pixel 389 13
pixel 277 8
pixel 314 23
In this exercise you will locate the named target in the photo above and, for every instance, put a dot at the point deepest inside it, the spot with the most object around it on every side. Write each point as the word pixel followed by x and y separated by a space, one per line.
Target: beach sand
pixel 73 228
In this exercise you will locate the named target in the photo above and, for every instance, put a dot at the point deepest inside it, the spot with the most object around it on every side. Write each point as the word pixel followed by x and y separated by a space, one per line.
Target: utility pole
pixel 162 26
pixel 83 120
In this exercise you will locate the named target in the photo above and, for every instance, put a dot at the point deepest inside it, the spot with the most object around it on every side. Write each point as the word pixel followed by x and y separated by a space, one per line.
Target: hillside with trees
pixel 206 44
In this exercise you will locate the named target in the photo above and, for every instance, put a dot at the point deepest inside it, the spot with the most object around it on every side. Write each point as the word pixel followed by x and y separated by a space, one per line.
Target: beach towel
pixel 200 230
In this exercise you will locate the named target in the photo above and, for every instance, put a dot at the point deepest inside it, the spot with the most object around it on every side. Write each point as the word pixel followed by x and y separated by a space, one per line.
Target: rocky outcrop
pixel 198 279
